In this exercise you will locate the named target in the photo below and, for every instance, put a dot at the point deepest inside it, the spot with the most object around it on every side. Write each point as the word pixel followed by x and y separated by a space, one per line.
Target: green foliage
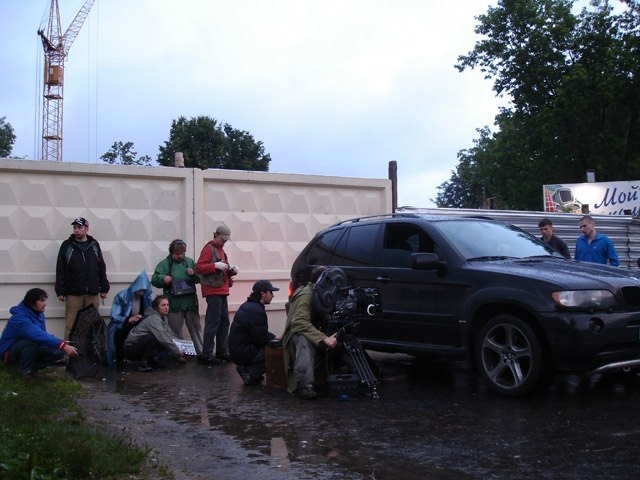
pixel 124 154
pixel 7 138
pixel 44 435
pixel 575 99
pixel 206 144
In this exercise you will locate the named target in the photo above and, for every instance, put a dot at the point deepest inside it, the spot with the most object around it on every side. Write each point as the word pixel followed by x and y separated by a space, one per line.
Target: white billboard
pixel 602 198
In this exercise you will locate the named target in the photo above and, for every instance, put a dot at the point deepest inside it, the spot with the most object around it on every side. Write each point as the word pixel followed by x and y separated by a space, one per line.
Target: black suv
pixel 518 309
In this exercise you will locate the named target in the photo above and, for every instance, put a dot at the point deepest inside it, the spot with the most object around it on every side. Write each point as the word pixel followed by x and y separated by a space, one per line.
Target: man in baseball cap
pixel 80 221
pixel 250 333
pixel 224 232
pixel 81 274
pixel 216 277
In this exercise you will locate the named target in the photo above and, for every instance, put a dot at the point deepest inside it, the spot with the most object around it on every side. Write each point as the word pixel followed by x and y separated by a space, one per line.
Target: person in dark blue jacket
pixel 249 333
pixel 25 341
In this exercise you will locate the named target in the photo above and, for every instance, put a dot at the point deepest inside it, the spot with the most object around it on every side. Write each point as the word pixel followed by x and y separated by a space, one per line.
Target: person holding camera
pixel 176 275
pixel 216 277
pixel 301 340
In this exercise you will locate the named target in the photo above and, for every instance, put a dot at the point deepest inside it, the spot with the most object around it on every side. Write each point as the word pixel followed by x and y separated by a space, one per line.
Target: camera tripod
pixel 357 360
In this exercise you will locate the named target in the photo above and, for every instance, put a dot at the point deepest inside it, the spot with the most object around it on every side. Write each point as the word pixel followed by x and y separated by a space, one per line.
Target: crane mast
pixel 56 47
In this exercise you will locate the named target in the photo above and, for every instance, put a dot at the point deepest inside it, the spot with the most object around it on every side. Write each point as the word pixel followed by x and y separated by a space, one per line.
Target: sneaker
pixel 209 360
pixel 144 367
pixel 308 393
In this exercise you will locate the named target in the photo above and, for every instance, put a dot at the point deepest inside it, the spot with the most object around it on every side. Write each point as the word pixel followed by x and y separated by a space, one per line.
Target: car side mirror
pixel 425 261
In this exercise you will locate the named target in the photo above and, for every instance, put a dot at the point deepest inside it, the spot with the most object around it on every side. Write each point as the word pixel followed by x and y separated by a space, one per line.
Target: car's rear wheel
pixel 509 356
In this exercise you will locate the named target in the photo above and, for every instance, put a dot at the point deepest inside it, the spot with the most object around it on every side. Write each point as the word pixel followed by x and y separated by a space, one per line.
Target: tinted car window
pixel 400 241
pixel 320 251
pixel 356 247
pixel 480 239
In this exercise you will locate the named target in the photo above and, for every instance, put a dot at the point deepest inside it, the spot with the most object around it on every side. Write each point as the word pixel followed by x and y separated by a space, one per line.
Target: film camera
pixel 342 305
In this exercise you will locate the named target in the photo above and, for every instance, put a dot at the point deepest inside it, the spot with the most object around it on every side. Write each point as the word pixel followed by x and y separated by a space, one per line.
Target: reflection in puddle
pixel 280 453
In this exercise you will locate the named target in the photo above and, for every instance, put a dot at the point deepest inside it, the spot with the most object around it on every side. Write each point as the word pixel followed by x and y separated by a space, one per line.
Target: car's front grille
pixel 631 296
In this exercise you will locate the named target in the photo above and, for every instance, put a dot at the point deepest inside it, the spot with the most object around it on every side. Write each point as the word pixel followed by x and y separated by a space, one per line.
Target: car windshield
pixel 477 239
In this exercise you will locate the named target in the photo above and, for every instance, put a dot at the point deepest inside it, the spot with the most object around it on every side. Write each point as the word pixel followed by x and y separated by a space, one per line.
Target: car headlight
pixel 601 299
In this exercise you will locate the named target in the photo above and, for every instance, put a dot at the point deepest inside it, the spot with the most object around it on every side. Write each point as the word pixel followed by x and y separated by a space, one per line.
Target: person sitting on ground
pixel 126 311
pixel 152 340
pixel 25 341
pixel 250 333
pixel 301 340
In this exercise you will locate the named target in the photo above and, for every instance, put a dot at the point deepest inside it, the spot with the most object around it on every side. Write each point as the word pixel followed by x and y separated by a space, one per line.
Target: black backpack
pixel 89 336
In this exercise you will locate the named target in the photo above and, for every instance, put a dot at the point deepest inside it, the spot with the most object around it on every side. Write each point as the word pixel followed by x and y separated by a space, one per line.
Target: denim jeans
pixel 216 326
pixel 31 356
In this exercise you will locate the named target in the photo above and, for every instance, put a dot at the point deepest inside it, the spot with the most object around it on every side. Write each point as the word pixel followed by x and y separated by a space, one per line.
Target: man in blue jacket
pixel 594 247
pixel 25 341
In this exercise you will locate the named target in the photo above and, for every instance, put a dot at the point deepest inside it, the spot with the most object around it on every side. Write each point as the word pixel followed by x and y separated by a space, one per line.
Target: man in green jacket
pixel 301 340
pixel 183 308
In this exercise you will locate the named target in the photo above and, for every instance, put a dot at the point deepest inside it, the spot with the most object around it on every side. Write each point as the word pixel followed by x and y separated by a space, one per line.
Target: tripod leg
pixel 362 365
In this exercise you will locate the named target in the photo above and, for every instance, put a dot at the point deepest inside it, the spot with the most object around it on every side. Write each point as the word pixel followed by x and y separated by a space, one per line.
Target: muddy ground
pixel 433 420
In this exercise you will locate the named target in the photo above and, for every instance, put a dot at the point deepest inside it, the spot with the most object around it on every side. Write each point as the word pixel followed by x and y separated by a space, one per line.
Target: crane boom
pixel 74 27
pixel 56 47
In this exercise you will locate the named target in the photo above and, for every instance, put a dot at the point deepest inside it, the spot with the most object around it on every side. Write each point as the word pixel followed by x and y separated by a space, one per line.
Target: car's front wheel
pixel 509 356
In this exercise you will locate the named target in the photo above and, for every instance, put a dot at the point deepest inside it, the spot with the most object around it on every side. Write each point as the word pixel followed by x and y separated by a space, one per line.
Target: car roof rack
pixel 373 217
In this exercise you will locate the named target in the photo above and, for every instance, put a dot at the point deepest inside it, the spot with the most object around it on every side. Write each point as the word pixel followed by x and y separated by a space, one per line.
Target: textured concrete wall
pixel 135 212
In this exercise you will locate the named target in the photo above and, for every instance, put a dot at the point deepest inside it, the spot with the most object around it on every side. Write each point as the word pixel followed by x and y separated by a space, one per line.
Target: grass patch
pixel 44 434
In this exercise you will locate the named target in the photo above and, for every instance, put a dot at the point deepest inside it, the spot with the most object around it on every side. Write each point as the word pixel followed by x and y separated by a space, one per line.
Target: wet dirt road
pixel 434 420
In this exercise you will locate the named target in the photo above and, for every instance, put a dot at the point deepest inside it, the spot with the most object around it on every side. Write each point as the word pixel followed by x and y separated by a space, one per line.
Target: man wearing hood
pixel 81 275
pixel 126 311
pixel 25 341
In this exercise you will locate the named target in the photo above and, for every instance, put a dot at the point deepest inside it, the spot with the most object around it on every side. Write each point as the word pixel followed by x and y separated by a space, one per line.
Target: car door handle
pixel 383 279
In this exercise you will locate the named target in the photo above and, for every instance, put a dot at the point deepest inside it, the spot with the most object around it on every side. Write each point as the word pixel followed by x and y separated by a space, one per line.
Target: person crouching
pixel 25 341
pixel 153 337
pixel 249 333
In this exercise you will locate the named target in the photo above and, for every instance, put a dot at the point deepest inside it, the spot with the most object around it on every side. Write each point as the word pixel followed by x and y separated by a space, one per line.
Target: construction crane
pixel 56 47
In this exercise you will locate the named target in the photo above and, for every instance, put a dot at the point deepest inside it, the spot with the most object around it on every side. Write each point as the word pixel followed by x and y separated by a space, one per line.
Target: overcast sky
pixel 335 88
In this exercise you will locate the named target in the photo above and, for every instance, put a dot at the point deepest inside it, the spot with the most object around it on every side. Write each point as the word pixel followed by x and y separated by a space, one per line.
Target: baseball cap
pixel 224 231
pixel 80 221
pixel 264 286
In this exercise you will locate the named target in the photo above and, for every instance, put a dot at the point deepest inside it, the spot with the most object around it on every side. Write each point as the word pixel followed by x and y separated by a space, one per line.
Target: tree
pixel 206 144
pixel 572 81
pixel 7 138
pixel 124 154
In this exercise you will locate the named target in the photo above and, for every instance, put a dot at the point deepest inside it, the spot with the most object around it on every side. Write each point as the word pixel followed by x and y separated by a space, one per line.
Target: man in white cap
pixel 81 274
pixel 250 333
pixel 215 279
